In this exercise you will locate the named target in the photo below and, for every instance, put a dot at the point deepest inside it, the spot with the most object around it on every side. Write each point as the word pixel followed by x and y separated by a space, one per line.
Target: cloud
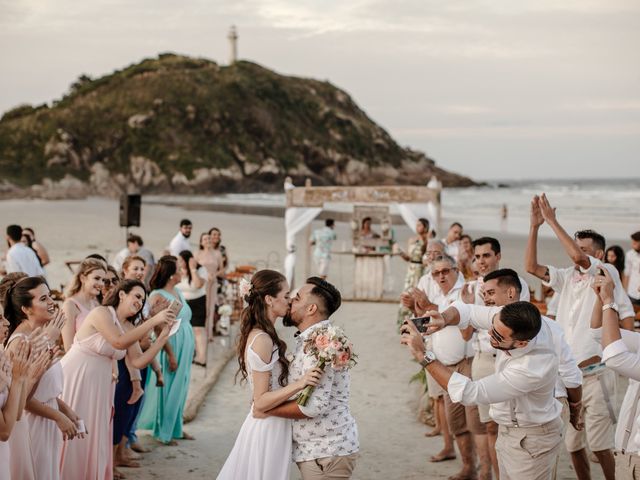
pixel 520 131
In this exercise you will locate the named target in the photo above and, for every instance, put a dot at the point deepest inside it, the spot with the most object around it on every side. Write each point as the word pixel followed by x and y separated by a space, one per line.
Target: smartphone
pixel 80 428
pixel 175 306
pixel 421 323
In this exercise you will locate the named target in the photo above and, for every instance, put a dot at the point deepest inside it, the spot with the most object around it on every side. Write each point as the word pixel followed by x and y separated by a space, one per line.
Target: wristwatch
pixel 612 306
pixel 429 357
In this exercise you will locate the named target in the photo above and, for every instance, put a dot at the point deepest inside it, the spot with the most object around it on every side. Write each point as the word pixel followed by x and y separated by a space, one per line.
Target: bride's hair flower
pixel 244 287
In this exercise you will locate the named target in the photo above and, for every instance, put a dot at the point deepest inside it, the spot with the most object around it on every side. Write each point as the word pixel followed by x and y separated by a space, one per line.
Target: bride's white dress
pixel 263 448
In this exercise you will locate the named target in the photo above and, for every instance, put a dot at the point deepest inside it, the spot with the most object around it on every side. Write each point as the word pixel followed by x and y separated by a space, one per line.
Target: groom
pixel 325 436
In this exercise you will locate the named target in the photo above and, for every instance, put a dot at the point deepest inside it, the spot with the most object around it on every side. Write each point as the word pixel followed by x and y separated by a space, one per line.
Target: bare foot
pixel 443 456
pixel 118 475
pixel 131 455
pixel 433 433
pixel 464 474
pixel 186 436
pixel 126 462
pixel 136 394
pixel 170 443
pixel 137 447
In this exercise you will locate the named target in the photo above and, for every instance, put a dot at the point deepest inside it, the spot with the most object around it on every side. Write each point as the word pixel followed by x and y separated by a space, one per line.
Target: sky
pixel 493 89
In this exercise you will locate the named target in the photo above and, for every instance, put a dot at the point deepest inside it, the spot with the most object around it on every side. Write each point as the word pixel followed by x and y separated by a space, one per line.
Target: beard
pixel 288 321
pixel 186 235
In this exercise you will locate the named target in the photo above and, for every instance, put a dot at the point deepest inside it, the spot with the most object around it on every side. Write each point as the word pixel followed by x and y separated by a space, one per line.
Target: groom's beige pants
pixel 328 467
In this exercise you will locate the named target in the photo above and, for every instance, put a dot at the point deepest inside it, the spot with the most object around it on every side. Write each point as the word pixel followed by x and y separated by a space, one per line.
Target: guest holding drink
pixel 89 379
pixel 163 407
pixel 82 297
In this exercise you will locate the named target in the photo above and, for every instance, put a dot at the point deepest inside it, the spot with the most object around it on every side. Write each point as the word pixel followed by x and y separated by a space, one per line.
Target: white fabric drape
pixel 411 212
pixel 295 219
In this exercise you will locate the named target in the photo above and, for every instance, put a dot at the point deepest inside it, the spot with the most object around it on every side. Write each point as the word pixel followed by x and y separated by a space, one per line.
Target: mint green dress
pixel 163 406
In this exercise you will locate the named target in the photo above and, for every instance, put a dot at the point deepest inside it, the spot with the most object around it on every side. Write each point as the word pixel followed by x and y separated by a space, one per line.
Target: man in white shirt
pixel 181 241
pixel 325 435
pixel 520 391
pixel 451 346
pixel 21 258
pixel 452 240
pixel 621 353
pixel 134 247
pixel 575 305
pixel 631 279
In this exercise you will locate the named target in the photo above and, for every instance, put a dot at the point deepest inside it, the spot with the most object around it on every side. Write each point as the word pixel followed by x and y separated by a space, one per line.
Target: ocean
pixel 610 206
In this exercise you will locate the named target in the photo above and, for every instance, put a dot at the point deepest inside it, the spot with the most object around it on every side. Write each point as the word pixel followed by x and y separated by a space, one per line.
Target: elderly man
pixel 453 349
pixel 520 391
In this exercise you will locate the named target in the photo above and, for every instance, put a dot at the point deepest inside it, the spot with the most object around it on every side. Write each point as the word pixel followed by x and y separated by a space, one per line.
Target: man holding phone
pixel 575 305
pixel 452 347
pixel 521 391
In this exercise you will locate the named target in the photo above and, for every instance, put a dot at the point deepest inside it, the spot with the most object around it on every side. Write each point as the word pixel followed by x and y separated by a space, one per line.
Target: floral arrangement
pixel 225 310
pixel 330 346
pixel 244 287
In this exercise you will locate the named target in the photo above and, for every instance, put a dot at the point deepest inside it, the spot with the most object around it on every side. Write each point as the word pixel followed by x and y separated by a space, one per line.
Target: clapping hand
pixel 546 210
pixel 536 217
pixel 54 327
pixel 20 359
pixel 468 293
pixel 5 371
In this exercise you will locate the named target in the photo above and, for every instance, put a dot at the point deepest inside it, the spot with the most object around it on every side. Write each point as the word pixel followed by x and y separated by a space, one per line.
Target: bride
pixel 263 447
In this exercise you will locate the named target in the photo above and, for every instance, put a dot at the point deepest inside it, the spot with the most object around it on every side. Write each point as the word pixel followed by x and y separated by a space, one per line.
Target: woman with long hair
pixel 163 407
pixel 40 250
pixel 194 286
pixel 89 379
pixel 417 246
pixel 15 384
pixel 134 268
pixel 263 447
pixel 211 259
pixel 110 281
pixel 615 256
pixel 82 296
pixel 29 307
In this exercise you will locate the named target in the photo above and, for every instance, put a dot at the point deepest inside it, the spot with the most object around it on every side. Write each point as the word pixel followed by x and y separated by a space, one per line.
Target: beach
pixel 383 402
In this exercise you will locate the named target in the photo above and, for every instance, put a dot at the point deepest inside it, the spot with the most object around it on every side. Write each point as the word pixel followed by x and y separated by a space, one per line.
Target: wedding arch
pixel 303 204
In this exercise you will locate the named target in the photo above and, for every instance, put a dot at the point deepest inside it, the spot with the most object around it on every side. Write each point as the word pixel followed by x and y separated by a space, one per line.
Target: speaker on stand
pixel 130 211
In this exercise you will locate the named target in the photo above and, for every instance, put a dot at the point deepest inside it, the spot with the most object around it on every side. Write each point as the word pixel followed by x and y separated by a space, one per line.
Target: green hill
pixel 188 125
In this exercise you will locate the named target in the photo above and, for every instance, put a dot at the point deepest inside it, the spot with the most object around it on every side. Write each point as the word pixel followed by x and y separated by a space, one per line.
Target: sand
pixel 392 442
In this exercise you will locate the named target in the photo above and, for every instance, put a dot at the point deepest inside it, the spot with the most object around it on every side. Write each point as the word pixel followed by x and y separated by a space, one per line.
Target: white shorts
pixel 322 264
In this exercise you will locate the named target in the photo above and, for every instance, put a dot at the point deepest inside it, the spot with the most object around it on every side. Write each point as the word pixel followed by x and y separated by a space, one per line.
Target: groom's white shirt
pixel 330 430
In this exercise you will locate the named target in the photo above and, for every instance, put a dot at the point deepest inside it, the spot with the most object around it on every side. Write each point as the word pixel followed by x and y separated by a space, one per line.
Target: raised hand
pixel 5 371
pixel 54 327
pixel 603 285
pixel 535 215
pixel 546 210
pixel 164 318
pixel 39 362
pixel 39 340
pixel 421 300
pixel 468 293
pixel 20 359
pixel 437 322
pixel 413 339
pixel 159 305
pixel 408 301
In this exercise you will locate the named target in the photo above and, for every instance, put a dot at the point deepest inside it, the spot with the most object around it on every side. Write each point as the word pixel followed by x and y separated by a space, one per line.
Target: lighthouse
pixel 233 40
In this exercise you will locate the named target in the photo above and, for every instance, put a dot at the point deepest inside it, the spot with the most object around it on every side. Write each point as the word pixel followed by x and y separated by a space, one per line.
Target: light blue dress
pixel 163 406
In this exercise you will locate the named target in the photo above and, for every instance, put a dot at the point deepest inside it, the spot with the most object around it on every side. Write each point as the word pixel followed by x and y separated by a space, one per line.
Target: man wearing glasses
pixel 452 347
pixel 520 392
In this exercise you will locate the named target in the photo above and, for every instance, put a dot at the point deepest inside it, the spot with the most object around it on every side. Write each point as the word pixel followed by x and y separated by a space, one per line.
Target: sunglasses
pixel 108 282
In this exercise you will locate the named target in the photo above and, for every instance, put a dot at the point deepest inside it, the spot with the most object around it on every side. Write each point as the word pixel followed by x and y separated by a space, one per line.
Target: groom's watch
pixel 429 357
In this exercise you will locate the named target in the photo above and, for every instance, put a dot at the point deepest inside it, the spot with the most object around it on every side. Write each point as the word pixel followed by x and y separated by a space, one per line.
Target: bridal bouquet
pixel 330 346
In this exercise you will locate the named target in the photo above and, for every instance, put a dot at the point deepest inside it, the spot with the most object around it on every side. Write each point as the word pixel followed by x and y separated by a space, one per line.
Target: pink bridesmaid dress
pixel 88 390
pixel 46 437
pixel 21 460
pixel 5 473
